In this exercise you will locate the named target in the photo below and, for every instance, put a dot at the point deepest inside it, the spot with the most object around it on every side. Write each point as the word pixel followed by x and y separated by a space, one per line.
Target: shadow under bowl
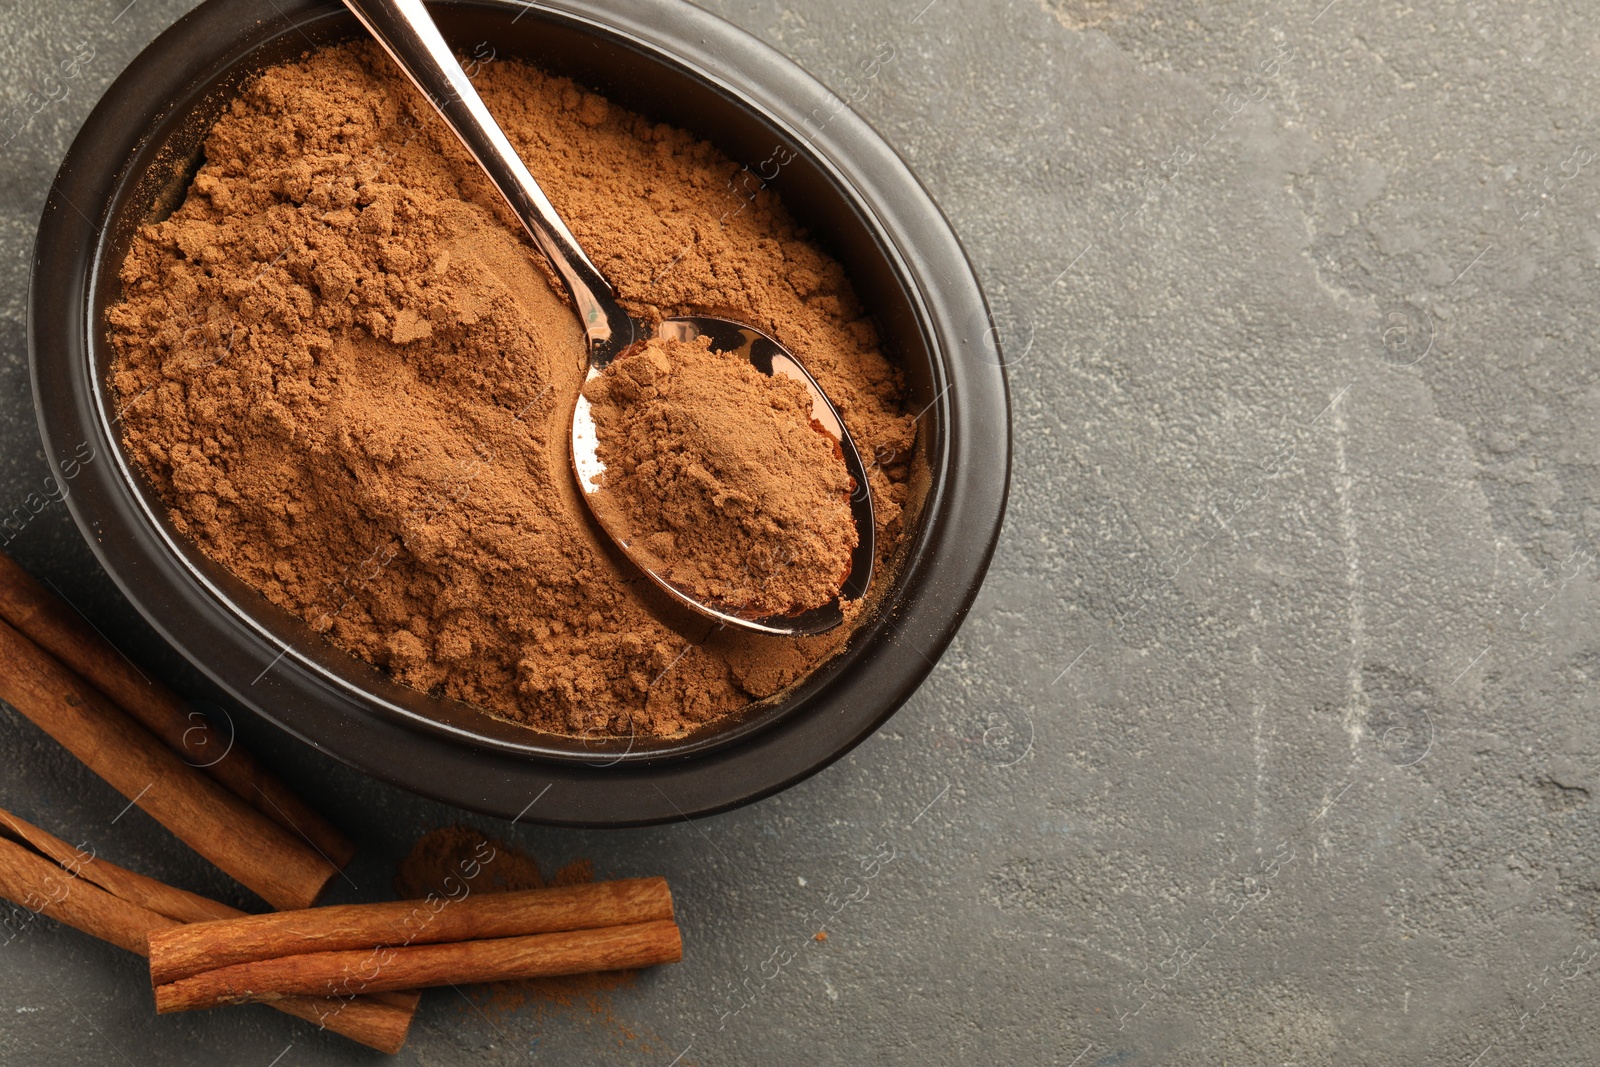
pixel 133 160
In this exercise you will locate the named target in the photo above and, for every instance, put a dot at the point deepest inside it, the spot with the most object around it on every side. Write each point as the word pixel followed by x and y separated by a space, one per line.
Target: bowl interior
pixel 154 180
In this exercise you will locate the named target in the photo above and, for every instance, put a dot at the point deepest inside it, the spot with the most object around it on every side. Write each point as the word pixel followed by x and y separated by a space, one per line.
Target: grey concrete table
pixel 1273 736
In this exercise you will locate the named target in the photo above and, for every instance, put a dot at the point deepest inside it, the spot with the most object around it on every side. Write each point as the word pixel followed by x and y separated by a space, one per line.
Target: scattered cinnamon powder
pixel 345 370
pixel 435 865
pixel 720 481
pixel 451 851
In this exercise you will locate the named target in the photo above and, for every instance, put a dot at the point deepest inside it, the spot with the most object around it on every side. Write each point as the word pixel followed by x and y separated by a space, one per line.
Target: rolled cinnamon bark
pixel 189 950
pixel 43 887
pixel 369 970
pixel 163 899
pixel 58 629
pixel 286 871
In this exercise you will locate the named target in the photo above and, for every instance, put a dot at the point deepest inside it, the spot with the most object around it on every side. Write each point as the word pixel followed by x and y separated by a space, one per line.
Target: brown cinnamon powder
pixel 719 480
pixel 345 370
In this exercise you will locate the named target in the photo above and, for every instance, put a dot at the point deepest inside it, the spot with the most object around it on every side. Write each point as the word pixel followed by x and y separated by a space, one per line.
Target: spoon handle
pixel 408 33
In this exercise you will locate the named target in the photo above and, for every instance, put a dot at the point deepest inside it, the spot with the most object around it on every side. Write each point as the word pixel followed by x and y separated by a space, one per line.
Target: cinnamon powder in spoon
pixel 719 481
pixel 345 370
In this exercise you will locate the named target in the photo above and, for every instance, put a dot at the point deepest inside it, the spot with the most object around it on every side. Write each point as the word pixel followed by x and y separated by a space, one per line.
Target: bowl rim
pixel 885 660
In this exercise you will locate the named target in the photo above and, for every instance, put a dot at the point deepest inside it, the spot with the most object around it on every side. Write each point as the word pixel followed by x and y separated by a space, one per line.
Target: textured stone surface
pixel 1273 737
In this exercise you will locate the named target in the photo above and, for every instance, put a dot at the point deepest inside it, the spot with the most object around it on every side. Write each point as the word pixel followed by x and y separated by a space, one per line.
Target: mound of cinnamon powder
pixel 344 368
pixel 719 480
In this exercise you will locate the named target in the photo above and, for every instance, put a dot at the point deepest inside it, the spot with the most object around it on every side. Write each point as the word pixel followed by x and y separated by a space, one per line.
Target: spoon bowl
pixel 770 358
pixel 408 33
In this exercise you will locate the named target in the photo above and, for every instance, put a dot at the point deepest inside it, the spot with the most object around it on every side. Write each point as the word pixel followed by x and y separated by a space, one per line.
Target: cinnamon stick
pixel 208 946
pixel 45 888
pixel 260 854
pixel 611 948
pixel 58 629
pixel 35 883
pixel 177 904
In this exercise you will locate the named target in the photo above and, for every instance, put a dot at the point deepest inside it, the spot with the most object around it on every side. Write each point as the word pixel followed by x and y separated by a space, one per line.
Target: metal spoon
pixel 407 32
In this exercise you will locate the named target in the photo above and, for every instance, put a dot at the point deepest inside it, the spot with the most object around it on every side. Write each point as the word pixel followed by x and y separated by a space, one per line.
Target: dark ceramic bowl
pixel 675 64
